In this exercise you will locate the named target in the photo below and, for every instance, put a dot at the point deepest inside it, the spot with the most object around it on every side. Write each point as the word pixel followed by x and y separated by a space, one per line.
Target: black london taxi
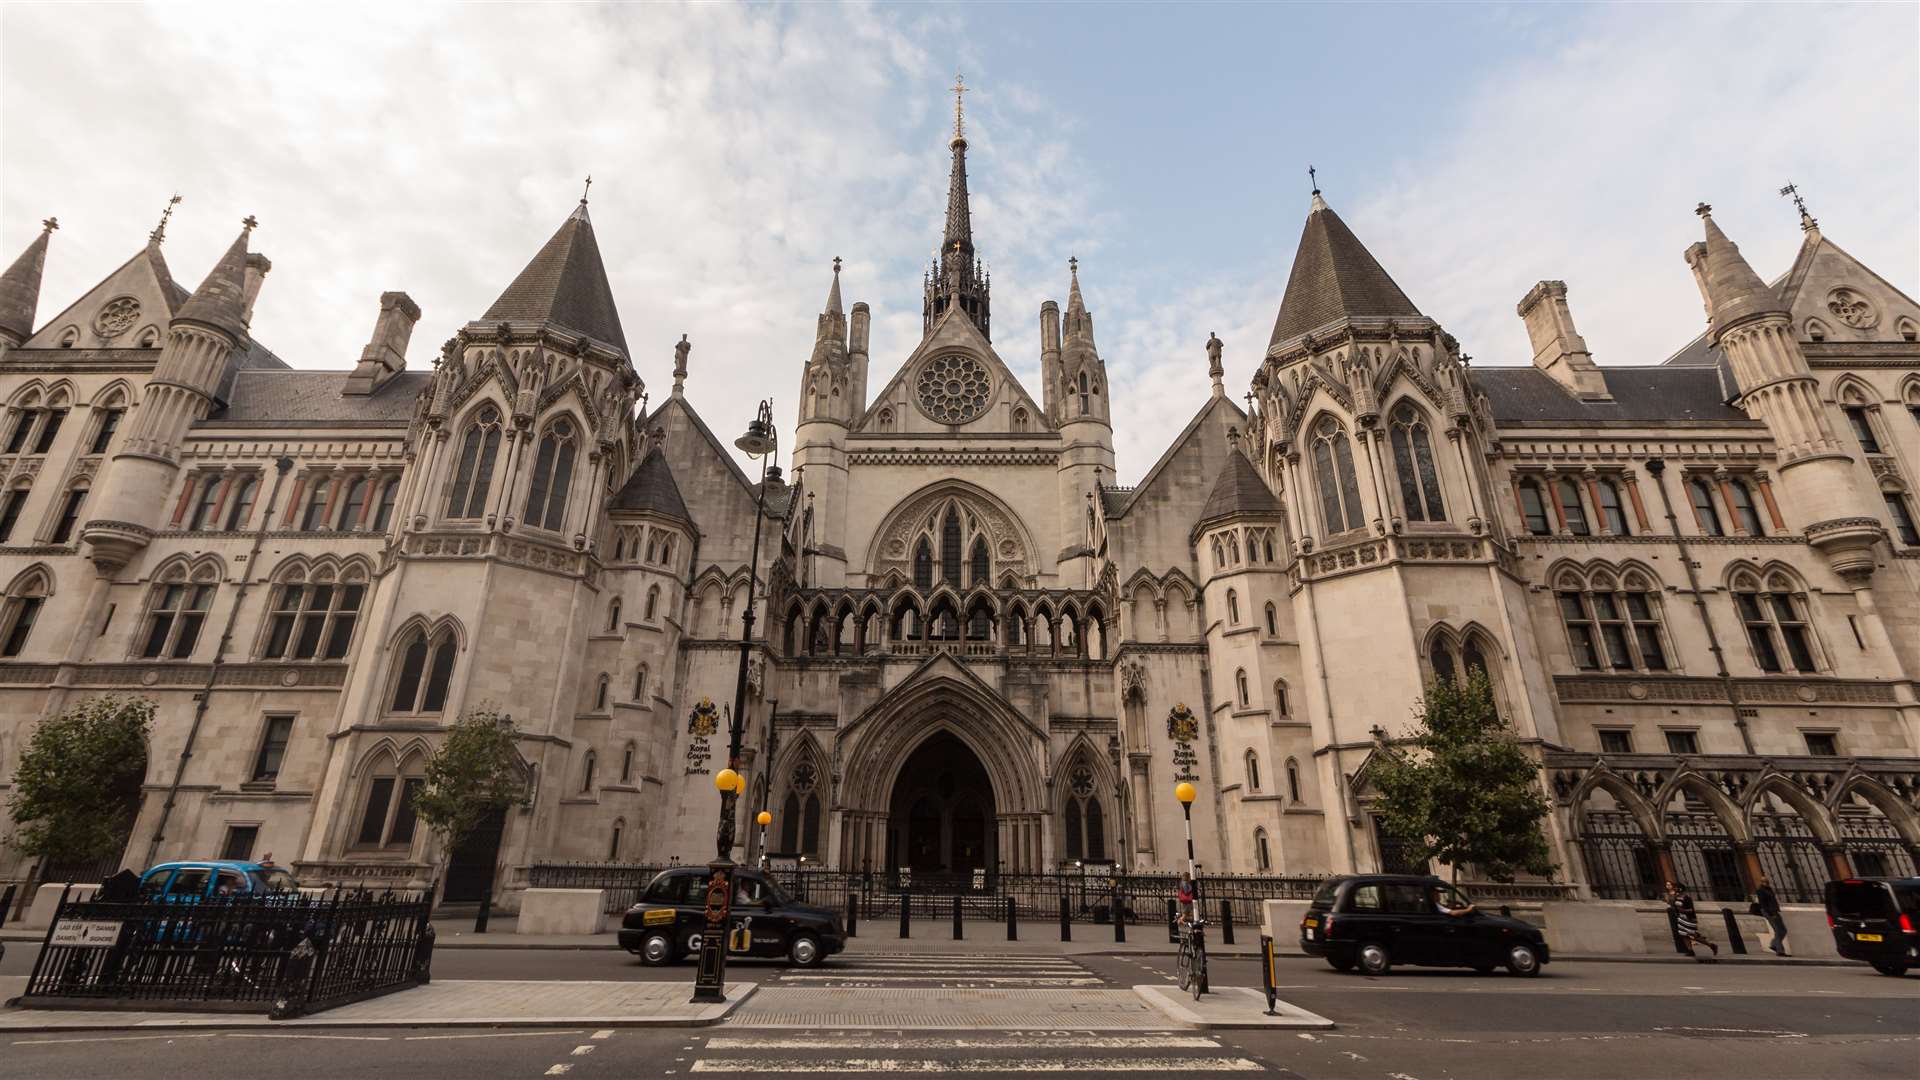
pixel 1876 920
pixel 668 922
pixel 1374 921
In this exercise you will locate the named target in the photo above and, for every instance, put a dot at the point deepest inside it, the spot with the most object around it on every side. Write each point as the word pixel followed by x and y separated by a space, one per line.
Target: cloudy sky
pixel 736 150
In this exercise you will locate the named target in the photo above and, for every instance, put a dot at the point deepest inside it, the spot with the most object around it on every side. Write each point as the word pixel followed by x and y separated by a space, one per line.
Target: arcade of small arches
pixel 1719 832
pixel 907 621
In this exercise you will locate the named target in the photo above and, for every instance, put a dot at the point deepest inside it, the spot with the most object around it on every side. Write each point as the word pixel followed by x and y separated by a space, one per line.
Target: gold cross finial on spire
pixel 50 224
pixel 585 190
pixel 159 232
pixel 959 112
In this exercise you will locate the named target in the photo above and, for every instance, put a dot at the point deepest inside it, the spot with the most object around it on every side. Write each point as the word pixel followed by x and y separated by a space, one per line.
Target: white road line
pixel 489 1035
pixel 290 1035
pixel 1021 980
pixel 603 1033
pixel 977 1065
pixel 558 1070
pixel 583 1050
pixel 112 1038
pixel 982 1042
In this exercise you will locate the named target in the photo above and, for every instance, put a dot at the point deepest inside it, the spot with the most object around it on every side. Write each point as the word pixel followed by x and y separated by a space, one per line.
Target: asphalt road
pixel 1577 1020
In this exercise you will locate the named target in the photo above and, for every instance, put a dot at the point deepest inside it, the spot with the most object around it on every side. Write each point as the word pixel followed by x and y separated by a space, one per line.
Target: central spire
pixel 956 278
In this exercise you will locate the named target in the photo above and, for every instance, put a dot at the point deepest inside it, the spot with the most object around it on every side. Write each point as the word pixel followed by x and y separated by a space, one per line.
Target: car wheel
pixel 1374 959
pixel 1895 970
pixel 656 949
pixel 804 951
pixel 1523 961
pixel 1340 963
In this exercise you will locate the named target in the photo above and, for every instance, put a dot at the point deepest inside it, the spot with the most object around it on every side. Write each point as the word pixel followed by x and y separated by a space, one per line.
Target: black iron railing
pixel 281 953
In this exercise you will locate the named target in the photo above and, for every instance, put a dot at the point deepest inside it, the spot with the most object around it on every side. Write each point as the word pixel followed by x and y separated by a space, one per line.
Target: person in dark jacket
pixel 1767 906
pixel 1687 924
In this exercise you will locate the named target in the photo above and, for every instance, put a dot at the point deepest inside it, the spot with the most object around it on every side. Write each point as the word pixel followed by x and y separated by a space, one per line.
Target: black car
pixel 668 922
pixel 1374 921
pixel 1876 920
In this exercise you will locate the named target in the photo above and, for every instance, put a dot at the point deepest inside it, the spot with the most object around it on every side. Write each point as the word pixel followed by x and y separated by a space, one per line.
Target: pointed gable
pixel 566 285
pixel 954 333
pixel 1238 492
pixel 652 489
pixel 1334 276
pixel 144 278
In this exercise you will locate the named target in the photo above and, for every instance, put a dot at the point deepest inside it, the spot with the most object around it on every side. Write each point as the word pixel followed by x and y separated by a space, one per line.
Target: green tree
pixel 76 790
pixel 1468 792
pixel 475 772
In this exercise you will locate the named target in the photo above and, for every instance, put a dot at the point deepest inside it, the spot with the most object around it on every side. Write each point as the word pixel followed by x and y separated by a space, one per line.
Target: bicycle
pixel 1190 966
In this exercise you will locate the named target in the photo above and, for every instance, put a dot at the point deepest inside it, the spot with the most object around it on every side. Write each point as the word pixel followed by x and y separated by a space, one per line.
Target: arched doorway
pixel 941 818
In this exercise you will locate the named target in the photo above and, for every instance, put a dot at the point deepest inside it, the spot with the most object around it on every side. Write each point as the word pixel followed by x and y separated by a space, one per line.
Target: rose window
pixel 954 389
pixel 1851 308
pixel 117 317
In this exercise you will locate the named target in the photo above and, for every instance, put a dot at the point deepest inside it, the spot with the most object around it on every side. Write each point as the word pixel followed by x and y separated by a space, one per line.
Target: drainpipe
pixel 1656 468
pixel 281 468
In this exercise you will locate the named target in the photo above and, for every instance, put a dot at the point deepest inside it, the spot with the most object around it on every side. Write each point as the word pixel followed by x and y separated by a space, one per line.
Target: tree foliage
pixel 77 788
pixel 1468 793
pixel 475 772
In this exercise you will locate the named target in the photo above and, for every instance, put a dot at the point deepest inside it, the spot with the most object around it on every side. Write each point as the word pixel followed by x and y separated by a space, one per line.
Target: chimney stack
pixel 257 267
pixel 386 355
pixel 1558 349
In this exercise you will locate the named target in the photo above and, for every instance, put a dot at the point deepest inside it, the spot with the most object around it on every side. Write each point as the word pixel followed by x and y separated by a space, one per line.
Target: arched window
pixel 18 611
pixel 240 503
pixel 923 565
pixel 1413 460
pixel 473 475
pixel 1704 513
pixel 1083 393
pixel 1085 821
pixel 76 497
pixel 1775 616
pixel 425 672
pixel 1219 554
pixel 600 693
pixel 1261 857
pixel 1613 515
pixel 1019 419
pixel 383 509
pixel 1273 622
pixel 800 812
pixel 640 683
pixel 1293 780
pixel 613 616
pixel 981 568
pixel 387 817
pixel 206 496
pixel 950 548
pixel 1440 658
pixel 552 475
pixel 1240 687
pixel 1233 608
pixel 613 842
pixel 1902 518
pixel 176 611
pixel 626 763
pixel 353 505
pixel 1333 475
pixel 313 619
pixel 1744 511
pixel 587 766
pixel 1533 507
pixel 1253 771
pixel 1622 621
pixel 14 501
pixel 1857 419
pixel 653 602
pixel 105 426
pixel 1571 508
pixel 315 514
pixel 1281 706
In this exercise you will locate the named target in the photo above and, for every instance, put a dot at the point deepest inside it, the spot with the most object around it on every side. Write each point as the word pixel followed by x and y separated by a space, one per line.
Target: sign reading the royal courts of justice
pixel 702 722
pixel 1183 728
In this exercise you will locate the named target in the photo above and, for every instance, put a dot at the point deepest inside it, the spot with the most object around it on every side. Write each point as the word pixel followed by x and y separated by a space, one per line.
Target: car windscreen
pixel 1861 900
pixel 1323 899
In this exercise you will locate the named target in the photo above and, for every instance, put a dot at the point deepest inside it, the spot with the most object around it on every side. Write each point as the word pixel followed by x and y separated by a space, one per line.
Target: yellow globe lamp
pixel 1185 793
pixel 739 784
pixel 765 819
pixel 727 780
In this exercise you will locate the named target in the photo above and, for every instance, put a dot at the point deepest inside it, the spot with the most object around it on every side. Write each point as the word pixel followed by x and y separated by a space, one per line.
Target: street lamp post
pixel 710 977
pixel 765 819
pixel 1185 793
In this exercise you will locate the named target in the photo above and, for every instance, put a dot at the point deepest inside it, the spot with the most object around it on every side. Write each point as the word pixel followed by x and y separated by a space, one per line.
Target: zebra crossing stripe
pixel 1021 980
pixel 994 1041
pixel 975 1065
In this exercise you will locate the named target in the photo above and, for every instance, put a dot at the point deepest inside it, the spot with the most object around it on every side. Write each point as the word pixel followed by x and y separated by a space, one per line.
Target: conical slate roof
pixel 1736 290
pixel 652 488
pixel 1239 491
pixel 220 301
pixel 1334 276
pixel 565 284
pixel 20 287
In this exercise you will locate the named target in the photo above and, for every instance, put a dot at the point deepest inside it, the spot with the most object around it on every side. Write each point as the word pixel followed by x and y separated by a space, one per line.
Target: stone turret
pixel 201 341
pixel 20 289
pixel 1086 459
pixel 832 394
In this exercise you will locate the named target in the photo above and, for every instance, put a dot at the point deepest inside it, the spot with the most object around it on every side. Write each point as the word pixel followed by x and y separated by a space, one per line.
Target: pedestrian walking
pixel 1687 924
pixel 1767 906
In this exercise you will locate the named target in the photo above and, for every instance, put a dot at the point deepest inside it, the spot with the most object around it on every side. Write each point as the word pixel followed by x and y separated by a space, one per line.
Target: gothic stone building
pixel 1695 585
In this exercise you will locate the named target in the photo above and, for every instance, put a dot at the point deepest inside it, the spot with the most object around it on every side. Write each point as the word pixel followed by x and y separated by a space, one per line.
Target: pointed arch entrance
pixel 940 821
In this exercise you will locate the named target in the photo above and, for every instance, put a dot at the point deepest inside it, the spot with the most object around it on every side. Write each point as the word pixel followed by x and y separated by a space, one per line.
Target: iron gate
pixel 1620 861
pixel 1703 855
pixel 1790 857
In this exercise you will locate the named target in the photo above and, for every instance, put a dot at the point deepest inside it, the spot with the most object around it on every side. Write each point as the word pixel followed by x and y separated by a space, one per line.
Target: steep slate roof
pixel 263 395
pixel 565 284
pixel 1522 395
pixel 1334 275
pixel 1239 490
pixel 220 301
pixel 20 287
pixel 652 488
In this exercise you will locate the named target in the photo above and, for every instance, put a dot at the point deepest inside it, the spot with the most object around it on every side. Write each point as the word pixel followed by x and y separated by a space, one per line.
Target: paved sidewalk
pixel 451 1003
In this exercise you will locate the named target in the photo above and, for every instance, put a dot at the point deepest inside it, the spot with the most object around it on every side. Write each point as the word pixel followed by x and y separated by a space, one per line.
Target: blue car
pixel 191 881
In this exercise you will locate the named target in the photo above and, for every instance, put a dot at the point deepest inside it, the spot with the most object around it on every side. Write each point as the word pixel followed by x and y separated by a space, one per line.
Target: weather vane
pixel 1792 191
pixel 159 232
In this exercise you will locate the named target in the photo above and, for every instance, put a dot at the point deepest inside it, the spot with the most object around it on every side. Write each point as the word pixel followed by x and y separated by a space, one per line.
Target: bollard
pixel 6 905
pixel 1013 927
pixel 1673 927
pixel 906 912
pixel 486 911
pixel 853 913
pixel 1119 916
pixel 1173 922
pixel 1269 978
pixel 1066 927
pixel 1738 943
pixel 957 932
pixel 1226 922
